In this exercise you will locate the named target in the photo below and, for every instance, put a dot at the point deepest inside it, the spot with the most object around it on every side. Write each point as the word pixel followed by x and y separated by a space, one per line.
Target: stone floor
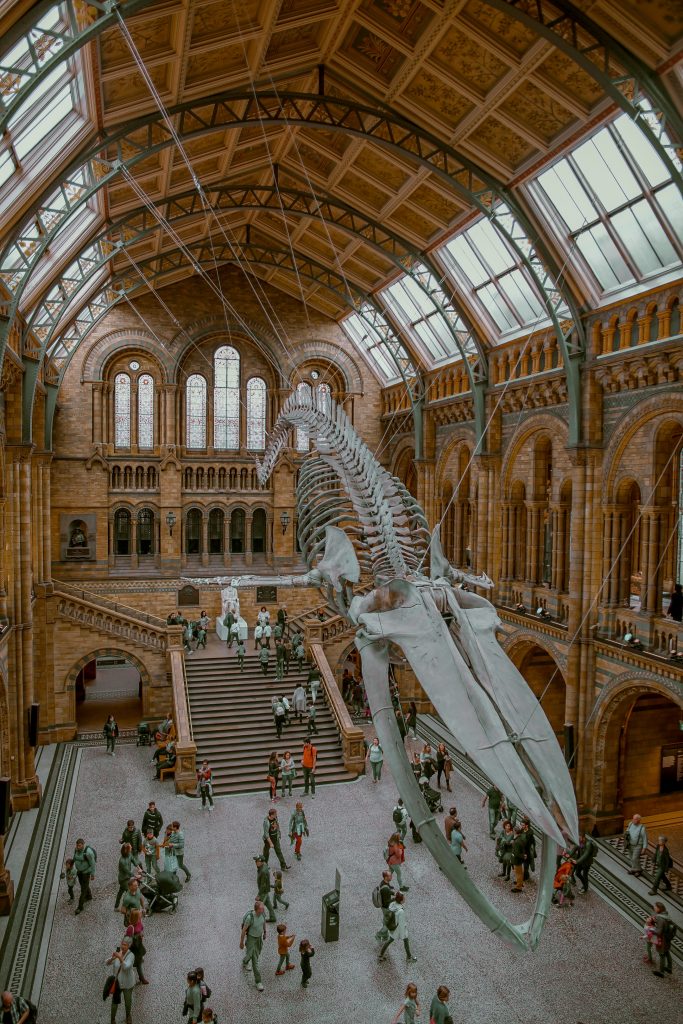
pixel 588 968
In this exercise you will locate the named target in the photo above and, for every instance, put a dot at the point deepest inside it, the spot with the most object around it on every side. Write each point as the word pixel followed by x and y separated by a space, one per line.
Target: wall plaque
pixel 188 596
pixel 266 594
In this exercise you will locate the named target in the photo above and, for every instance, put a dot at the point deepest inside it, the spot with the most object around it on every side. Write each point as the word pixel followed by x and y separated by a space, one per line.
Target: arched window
pixel 324 398
pixel 237 531
pixel 226 398
pixel 301 438
pixel 216 531
pixel 146 532
pixel 122 410
pixel 145 411
pixel 122 532
pixel 256 414
pixel 193 532
pixel 258 531
pixel 195 400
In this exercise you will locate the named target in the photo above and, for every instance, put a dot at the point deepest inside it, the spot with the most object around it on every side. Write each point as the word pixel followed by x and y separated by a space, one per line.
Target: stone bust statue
pixel 78 538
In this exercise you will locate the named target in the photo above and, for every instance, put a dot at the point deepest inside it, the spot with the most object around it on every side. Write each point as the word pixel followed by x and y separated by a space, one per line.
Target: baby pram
pixel 161 892
pixel 144 736
pixel 432 796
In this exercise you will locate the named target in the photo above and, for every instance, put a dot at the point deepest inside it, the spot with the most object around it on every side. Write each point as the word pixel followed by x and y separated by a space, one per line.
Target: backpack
pixel 279 710
pixel 669 931
pixel 397 815
pixel 93 851
pixel 390 920
pixel 376 898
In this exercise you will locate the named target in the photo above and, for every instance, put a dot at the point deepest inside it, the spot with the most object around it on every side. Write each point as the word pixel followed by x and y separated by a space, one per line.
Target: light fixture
pixel 284 521
pixel 170 521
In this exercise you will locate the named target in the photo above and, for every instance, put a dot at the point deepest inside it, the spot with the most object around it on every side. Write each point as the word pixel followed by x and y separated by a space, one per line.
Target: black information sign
pixel 672 769
pixel 266 594
pixel 188 596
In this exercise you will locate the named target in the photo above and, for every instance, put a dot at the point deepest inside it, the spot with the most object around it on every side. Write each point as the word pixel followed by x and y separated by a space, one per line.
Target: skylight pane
pixel 497 307
pixel 425 335
pixel 522 297
pixel 486 240
pixel 642 152
pixel 606 171
pixel 568 196
pixel 669 199
pixel 49 118
pixel 644 237
pixel 603 258
pixel 466 260
pixel 6 167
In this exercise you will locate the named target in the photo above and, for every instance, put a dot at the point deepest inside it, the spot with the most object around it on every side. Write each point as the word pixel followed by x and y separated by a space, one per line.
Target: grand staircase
pixel 233 726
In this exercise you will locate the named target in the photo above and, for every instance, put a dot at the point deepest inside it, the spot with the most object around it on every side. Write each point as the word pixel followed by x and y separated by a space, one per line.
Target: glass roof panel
pixel 606 171
pixel 486 241
pixel 669 199
pixel 646 157
pixel 568 196
pixel 466 258
pixel 368 341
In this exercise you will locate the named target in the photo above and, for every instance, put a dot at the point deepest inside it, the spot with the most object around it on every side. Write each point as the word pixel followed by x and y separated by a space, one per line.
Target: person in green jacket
pixel 662 863
pixel 279 660
pixel 127 869
pixel 438 1011
pixel 84 862
pixel 134 836
pixel 252 935
pixel 193 998
pixel 263 885
pixel 264 658
pixel 241 651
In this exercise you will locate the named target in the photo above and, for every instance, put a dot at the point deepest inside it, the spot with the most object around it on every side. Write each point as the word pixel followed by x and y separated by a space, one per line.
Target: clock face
pixel 134 365
pixel 314 374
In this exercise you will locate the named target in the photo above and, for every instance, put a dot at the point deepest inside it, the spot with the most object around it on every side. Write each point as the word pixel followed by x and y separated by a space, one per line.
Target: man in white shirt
pixel 636 842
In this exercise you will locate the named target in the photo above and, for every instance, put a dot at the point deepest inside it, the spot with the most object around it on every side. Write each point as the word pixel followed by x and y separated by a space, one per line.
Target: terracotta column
pixel 97 396
pixel 651 600
pixel 205 538
pixel 134 539
pixel 248 533
pixel 170 434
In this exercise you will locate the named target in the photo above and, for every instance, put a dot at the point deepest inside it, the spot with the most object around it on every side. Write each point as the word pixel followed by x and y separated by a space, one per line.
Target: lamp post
pixel 170 521
pixel 284 521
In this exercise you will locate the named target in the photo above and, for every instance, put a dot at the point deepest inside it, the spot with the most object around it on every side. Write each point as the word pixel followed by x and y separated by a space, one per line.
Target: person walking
pixel 204 785
pixel 264 658
pixel 122 963
pixel 395 856
pixel 132 899
pixel 518 855
pixel 458 843
pixel 15 1009
pixel 383 897
pixel 306 953
pixel 258 635
pixel 273 774
pixel 177 843
pixel 401 723
pixel 135 932
pixel 636 842
pixel 299 702
pixel 278 715
pixel 234 635
pixel 132 835
pixel 263 886
pixel 127 869
pixel 400 818
pixel 410 1007
pixel 287 773
pixel 71 876
pixel 583 855
pixel 493 797
pixel 665 931
pixel 399 931
pixel 201 637
pixel 272 837
pixel 263 617
pixel 298 828
pixel 375 756
pixel 314 683
pixel 267 634
pixel 149 848
pixel 504 850
pixel 279 660
pixel 193 999
pixel 110 733
pixel 438 1010
pixel 444 766
pixel 84 860
pixel 152 819
pixel 252 936
pixel 279 890
pixel 662 863
pixel 309 759
pixel 284 944
pixel 311 727
pixel 411 720
pixel 241 652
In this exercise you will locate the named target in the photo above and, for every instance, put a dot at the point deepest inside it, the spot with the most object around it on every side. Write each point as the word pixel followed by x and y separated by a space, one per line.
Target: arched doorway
pixel 545 679
pixel 107 682
pixel 237 531
pixel 638 755
pixel 258 531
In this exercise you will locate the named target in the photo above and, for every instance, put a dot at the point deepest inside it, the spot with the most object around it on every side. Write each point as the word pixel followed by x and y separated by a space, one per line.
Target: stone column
pixel 6 883
pixel 651 600
pixel 555 564
pixel 248 530
pixel 205 538
pixel 97 396
pixel 134 416
pixel 134 539
pixel 170 436
pixel 226 539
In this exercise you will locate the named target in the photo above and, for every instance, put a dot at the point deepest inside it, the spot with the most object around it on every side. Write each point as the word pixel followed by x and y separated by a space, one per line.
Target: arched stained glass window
pixel 145 411
pixel 324 397
pixel 301 439
pixel 195 398
pixel 226 398
pixel 122 410
pixel 256 413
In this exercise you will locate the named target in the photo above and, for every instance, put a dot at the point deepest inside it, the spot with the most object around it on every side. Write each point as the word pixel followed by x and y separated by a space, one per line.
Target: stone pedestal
pixel 26 794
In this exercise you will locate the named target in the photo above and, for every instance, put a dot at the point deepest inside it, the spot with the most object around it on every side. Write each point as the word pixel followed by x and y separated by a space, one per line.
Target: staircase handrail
pixel 68 590
pixel 185 747
pixel 617 844
pixel 316 631
pixel 352 737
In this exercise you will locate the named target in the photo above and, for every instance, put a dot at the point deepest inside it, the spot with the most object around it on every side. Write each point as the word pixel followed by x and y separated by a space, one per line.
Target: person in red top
pixel 204 784
pixel 395 858
pixel 308 762
pixel 563 882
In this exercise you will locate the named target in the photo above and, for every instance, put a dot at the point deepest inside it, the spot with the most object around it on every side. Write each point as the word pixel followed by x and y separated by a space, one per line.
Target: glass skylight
pixel 613 199
pixel 424 314
pixel 359 331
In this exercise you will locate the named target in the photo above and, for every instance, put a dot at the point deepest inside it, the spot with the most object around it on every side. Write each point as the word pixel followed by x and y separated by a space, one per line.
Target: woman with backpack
pixel 110 732
pixel 375 756
pixel 399 929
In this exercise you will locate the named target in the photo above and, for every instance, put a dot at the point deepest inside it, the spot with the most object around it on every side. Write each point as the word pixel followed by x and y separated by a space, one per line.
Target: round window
pixel 134 365
pixel 314 374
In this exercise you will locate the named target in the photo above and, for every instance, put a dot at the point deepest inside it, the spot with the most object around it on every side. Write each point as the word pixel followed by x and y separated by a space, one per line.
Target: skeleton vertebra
pixel 446 633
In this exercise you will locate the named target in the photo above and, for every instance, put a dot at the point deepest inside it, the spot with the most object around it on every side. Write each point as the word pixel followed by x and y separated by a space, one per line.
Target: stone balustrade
pixel 351 735
pixel 95 612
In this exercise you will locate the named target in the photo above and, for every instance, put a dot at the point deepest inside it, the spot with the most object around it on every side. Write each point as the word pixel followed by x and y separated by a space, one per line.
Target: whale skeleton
pixel 355 518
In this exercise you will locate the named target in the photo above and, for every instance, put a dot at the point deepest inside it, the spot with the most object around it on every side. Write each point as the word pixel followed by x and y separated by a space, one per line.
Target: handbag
pixel 109 986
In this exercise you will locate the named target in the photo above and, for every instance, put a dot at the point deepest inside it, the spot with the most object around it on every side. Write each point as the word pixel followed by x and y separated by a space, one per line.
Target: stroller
pixel 161 892
pixel 144 737
pixel 432 796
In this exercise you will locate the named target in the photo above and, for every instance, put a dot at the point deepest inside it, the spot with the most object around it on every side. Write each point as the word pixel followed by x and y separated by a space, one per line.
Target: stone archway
pixel 133 706
pixel 543 671
pixel 636 720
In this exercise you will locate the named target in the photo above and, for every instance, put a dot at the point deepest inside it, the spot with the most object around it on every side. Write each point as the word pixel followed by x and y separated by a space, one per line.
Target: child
pixel 149 848
pixel 71 875
pixel 201 637
pixel 204 989
pixel 284 944
pixel 563 883
pixel 410 1007
pixel 241 651
pixel 307 952
pixel 648 934
pixel 208 1016
pixel 278 889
